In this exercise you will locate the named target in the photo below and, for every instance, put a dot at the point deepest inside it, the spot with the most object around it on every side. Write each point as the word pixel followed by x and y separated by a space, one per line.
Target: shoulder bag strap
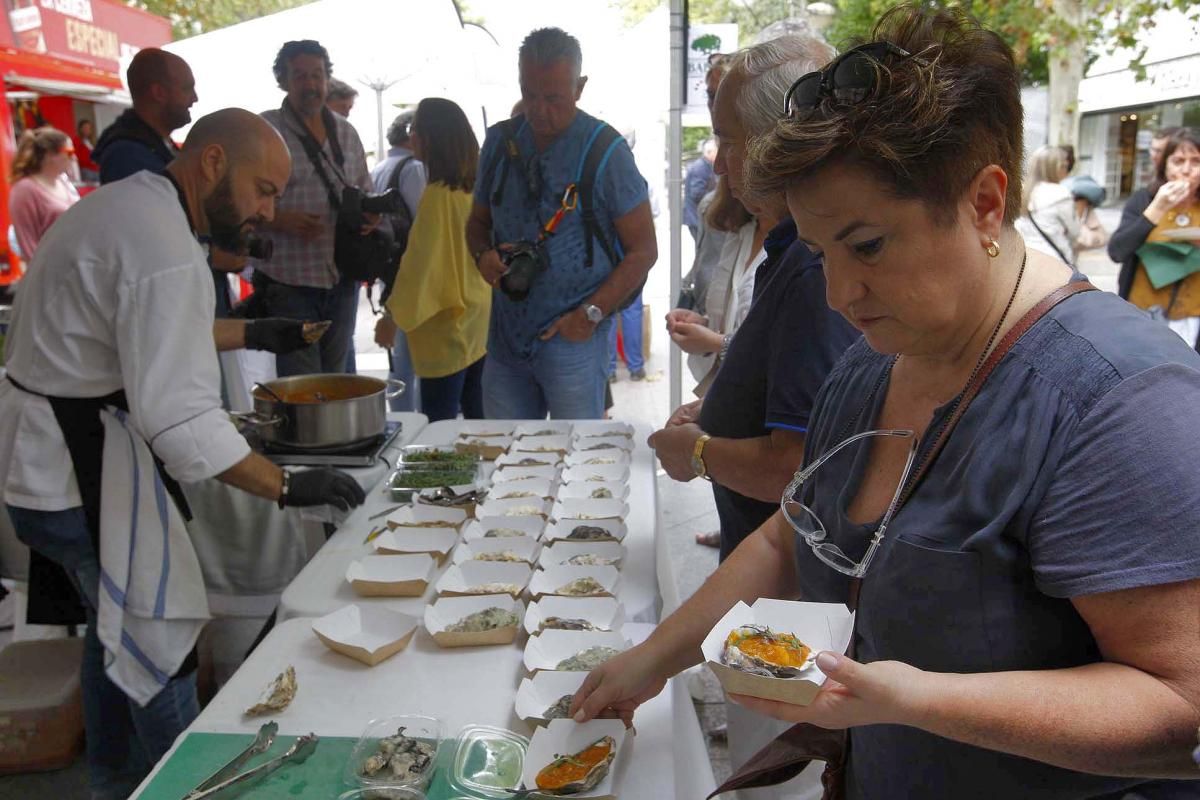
pixel 1049 241
pixel 312 149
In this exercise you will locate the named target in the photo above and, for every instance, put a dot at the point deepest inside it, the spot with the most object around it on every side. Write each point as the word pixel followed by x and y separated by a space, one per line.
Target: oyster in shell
pixel 603 493
pixel 590 560
pixel 587 660
pixel 504 555
pixel 435 523
pixel 494 588
pixel 560 709
pixel 516 494
pixel 602 446
pixel 761 651
pixel 600 460
pixel 578 772
pixel 400 758
pixel 565 624
pixel 546 432
pixel 530 461
pixel 582 587
pixel 277 695
pixel 589 533
pixel 503 533
pixel 523 511
pixel 487 620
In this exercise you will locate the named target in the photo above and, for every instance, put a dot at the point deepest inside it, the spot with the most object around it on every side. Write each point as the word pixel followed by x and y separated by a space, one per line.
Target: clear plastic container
pixel 427 729
pixel 383 793
pixel 488 761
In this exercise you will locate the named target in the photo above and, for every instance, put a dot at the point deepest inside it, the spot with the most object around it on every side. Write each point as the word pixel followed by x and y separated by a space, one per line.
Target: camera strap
pixel 316 154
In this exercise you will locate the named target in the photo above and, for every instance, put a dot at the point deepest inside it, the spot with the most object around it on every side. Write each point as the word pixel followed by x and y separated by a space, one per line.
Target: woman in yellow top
pixel 1167 214
pixel 439 300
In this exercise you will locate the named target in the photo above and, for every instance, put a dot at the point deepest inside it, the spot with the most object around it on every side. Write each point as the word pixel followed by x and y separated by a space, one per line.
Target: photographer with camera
pixel 561 228
pixel 317 261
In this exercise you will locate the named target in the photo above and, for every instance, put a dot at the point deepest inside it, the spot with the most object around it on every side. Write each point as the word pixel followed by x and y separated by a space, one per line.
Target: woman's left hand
pixel 385 332
pixel 882 692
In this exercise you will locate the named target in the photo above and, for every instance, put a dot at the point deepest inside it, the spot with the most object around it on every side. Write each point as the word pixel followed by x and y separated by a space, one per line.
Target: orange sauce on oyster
pixel 572 769
pixel 781 649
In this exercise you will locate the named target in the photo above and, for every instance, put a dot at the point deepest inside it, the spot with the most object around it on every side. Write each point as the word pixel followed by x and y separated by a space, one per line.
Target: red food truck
pixel 61 62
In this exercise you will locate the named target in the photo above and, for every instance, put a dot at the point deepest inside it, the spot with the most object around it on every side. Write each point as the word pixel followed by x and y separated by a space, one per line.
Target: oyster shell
pixel 516 495
pixel 560 709
pixel 582 587
pixel 277 695
pixel 602 446
pixel 503 533
pixel 488 619
pixel 546 432
pixel 603 493
pixel 504 555
pixel 601 460
pixel 523 511
pixel 530 461
pixel 565 624
pixel 578 772
pixel 590 560
pixel 436 523
pixel 494 588
pixel 589 533
pixel 761 651
pixel 400 758
pixel 587 660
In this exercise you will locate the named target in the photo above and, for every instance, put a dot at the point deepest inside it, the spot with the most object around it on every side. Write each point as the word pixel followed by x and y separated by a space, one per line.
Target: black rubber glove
pixel 278 336
pixel 323 486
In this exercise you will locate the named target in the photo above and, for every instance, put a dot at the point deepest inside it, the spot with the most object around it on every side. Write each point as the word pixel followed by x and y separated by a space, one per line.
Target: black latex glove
pixel 278 336
pixel 324 486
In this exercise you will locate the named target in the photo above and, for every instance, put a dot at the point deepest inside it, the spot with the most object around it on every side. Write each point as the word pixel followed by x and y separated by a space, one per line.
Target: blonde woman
pixel 40 190
pixel 1048 222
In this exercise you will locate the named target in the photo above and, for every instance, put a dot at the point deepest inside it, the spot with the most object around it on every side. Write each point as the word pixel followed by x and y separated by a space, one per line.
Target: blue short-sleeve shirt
pixel 1073 472
pixel 519 216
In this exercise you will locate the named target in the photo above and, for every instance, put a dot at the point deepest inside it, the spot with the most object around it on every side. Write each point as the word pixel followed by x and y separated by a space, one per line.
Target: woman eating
pixel 1024 556
pixel 1166 215
pixel 41 191
pixel 439 300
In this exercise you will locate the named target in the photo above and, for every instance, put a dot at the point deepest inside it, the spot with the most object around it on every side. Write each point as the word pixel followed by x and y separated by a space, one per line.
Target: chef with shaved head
pixel 112 395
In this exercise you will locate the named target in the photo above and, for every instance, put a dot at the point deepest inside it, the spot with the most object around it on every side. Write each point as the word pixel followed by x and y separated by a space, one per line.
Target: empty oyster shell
pixel 505 555
pixel 488 619
pixel 580 771
pixel 589 533
pixel 582 587
pixel 759 650
pixel 565 624
pixel 560 709
pixel 277 695
pixel 587 660
pixel 494 588
pixel 503 533
pixel 590 560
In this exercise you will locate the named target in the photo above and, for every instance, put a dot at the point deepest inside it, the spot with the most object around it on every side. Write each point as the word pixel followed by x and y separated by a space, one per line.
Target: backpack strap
pixel 600 146
pixel 394 183
pixel 505 154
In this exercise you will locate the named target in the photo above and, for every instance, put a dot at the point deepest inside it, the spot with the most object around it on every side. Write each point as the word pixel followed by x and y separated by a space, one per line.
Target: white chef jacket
pixel 119 296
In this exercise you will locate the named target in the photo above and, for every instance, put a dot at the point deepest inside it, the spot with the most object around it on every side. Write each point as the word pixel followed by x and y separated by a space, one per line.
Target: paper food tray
pixel 584 491
pixel 605 613
pixel 370 634
pixel 601 429
pixel 561 551
pixel 419 516
pixel 561 530
pixel 515 507
pixel 537 694
pixel 551 648
pixel 478 529
pixel 391 576
pixel 524 547
pixel 564 736
pixel 551 580
pixel 589 509
pixel 603 458
pixel 437 542
pixel 542 427
pixel 536 488
pixel 518 475
pixel 821 626
pixel 559 444
pixel 489 448
pixel 458 579
pixel 594 473
pixel 448 610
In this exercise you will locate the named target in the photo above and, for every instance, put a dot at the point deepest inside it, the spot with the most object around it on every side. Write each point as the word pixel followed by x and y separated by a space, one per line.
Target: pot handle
pixel 396 391
pixel 254 419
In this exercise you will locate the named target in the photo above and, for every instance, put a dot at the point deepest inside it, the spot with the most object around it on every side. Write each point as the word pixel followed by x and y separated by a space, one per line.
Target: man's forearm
pixel 479 236
pixel 229 334
pixel 622 282
pixel 761 566
pixel 760 467
pixel 256 475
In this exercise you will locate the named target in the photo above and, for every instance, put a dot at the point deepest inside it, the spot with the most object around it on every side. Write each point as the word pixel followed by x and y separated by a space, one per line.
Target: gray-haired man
pixel 548 341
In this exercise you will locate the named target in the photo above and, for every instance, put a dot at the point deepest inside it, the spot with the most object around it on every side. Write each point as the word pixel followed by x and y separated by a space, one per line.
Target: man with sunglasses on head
pixel 746 435
pixel 562 229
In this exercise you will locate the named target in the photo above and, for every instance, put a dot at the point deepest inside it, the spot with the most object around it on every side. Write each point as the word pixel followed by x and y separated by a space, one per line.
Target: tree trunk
pixel 1066 72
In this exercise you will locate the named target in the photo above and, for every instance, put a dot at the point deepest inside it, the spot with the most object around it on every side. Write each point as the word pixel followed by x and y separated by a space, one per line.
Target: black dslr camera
pixel 525 261
pixel 356 203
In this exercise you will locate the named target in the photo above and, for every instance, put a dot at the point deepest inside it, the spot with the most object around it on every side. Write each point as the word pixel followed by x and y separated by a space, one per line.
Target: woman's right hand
pixel 1169 195
pixel 678 315
pixel 618 686
pixel 695 339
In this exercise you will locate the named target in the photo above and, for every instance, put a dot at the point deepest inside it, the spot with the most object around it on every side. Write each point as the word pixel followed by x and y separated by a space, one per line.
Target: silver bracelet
pixel 725 340
pixel 283 488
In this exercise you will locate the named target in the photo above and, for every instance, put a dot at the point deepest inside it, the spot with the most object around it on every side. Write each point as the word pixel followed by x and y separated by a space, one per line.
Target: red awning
pixel 75 78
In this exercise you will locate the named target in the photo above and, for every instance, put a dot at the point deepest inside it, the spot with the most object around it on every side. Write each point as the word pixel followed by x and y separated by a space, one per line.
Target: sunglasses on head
pixel 849 79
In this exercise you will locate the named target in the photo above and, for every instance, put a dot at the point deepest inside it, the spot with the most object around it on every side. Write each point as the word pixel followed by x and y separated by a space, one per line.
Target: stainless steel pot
pixel 321 412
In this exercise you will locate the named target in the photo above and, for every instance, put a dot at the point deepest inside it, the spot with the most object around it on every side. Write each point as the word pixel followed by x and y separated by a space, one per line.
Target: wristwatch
pixel 698 465
pixel 725 340
pixel 594 314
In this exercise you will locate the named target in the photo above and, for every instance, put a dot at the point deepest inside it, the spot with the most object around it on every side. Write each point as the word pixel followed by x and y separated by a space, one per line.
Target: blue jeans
pixel 351 361
pixel 402 370
pixel 124 740
pixel 631 329
pixel 565 379
pixel 443 398
pixel 338 304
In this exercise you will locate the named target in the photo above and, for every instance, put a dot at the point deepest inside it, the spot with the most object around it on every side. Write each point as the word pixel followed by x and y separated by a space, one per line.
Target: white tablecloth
pixel 338 697
pixel 321 586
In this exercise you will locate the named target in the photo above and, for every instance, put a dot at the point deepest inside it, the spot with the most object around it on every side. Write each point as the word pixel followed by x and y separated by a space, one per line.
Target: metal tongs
pixel 447 497
pixel 228 781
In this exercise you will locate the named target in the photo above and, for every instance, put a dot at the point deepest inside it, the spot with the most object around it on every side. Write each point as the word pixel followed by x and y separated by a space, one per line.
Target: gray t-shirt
pixel 1073 472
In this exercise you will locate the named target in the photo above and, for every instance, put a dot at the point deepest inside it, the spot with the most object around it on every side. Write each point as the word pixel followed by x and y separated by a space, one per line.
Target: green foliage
pixel 693 136
pixel 751 16
pixel 189 18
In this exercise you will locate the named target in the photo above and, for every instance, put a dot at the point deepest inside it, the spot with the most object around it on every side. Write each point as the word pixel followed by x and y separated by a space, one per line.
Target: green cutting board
pixel 321 777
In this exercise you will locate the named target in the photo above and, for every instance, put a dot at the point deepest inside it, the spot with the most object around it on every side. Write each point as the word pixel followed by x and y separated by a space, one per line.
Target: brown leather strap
pixel 1011 338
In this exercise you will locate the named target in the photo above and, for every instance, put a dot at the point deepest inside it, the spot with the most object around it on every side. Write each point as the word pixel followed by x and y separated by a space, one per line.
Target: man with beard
pixel 111 331
pixel 301 281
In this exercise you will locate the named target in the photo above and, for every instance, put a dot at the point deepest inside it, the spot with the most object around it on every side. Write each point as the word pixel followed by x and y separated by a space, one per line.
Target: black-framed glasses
pixel 849 79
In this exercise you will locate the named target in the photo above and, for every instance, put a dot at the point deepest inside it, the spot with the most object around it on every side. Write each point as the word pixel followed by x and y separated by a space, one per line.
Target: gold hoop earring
pixel 993 248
